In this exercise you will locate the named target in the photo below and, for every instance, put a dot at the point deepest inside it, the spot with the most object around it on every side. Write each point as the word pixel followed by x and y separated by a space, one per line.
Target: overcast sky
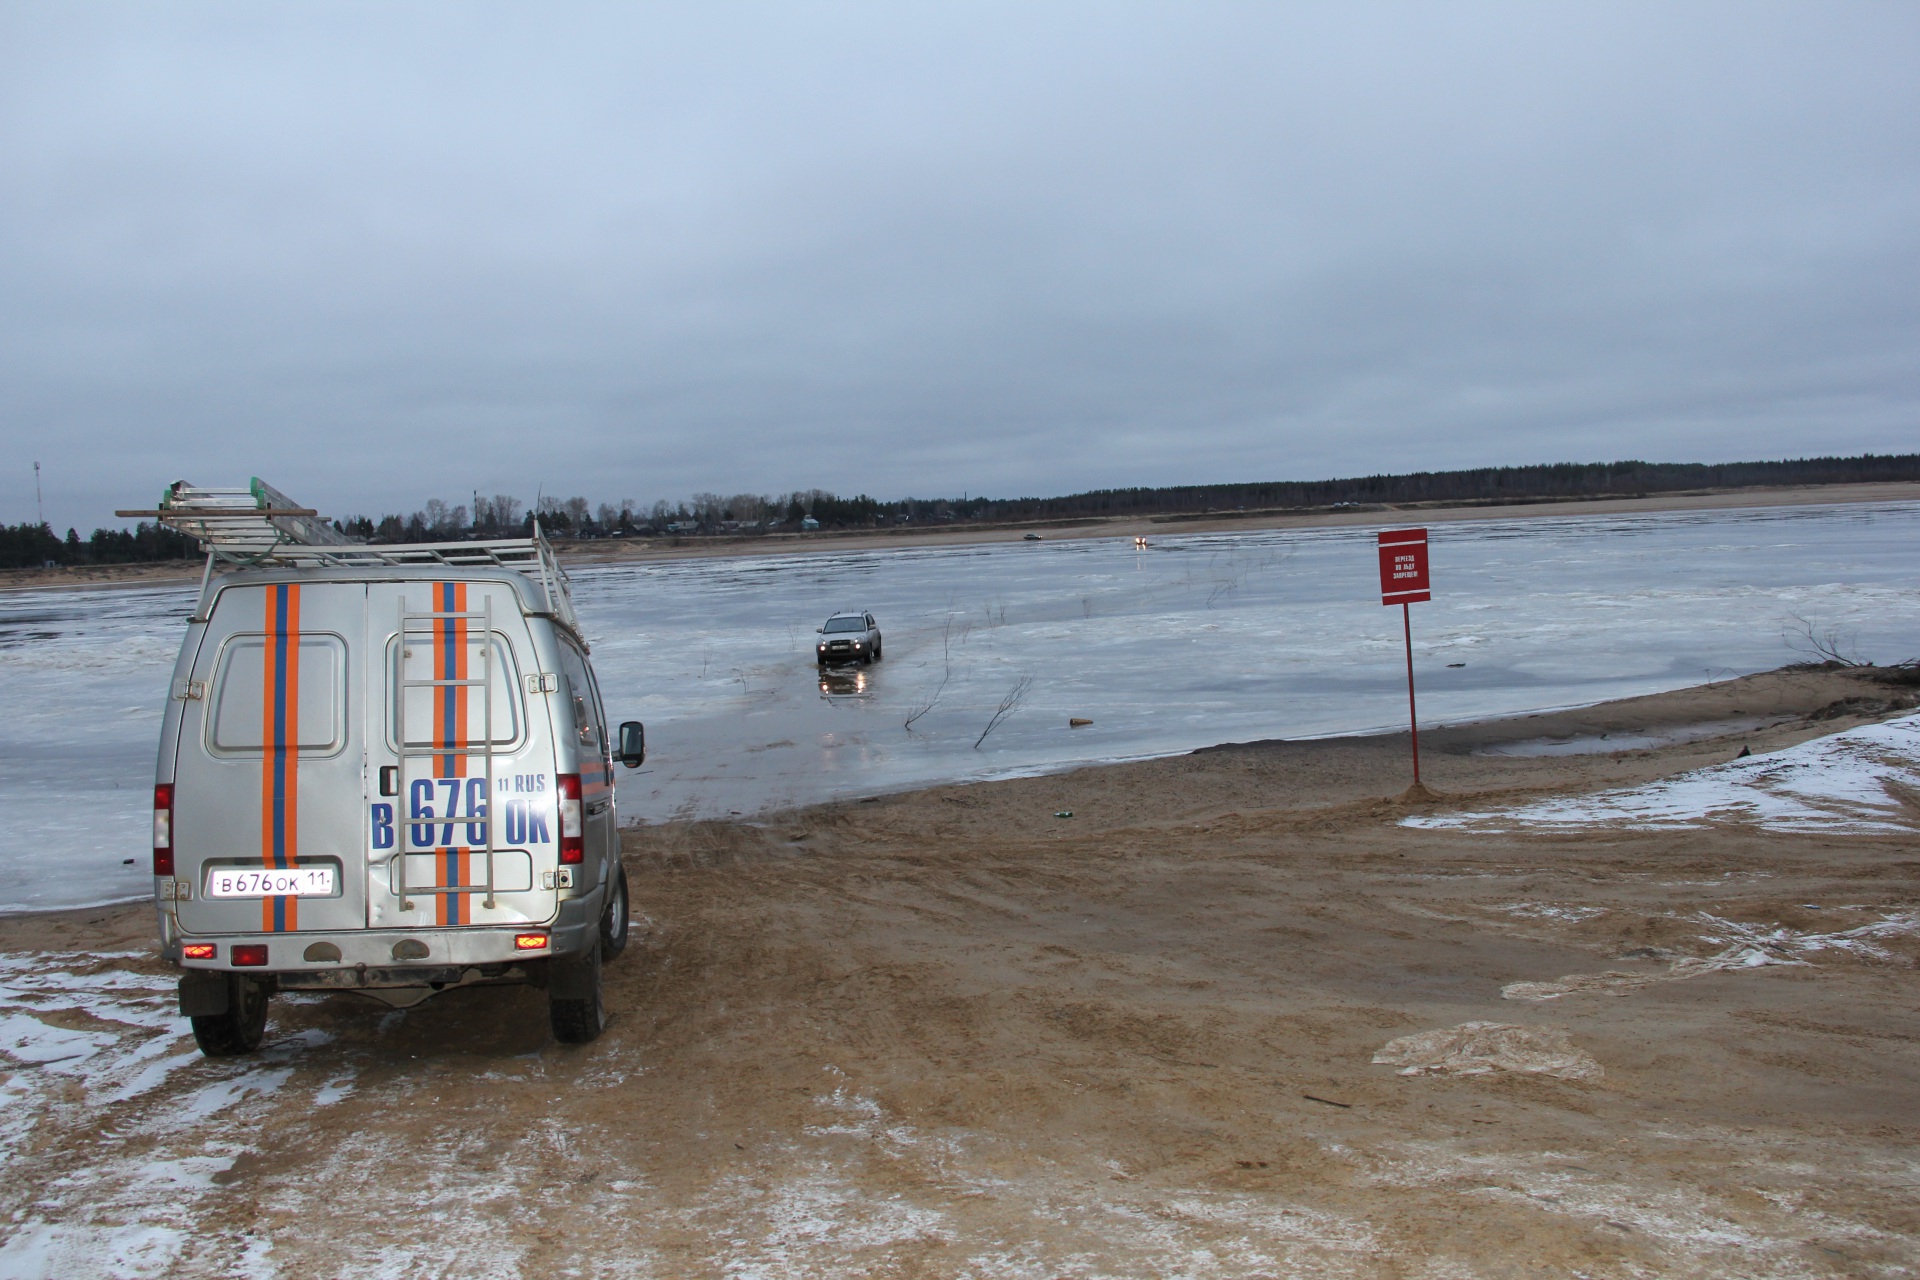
pixel 377 253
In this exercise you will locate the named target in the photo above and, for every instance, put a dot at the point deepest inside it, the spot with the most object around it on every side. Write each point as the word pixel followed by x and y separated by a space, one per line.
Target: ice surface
pixel 83 680
pixel 1195 640
pixel 1845 782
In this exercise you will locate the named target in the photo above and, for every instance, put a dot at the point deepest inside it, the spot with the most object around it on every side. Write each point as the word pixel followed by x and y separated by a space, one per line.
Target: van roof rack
pixel 260 527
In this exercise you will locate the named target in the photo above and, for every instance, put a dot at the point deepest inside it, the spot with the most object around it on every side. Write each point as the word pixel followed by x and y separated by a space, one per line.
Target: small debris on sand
pixel 1478 1048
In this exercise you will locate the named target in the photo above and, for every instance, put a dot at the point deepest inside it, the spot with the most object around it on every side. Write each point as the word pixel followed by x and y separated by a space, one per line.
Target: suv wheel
pixel 614 922
pixel 574 1007
pixel 876 648
pixel 241 1028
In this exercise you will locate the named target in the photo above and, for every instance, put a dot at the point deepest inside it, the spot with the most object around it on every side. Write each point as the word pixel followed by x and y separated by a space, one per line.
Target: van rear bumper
pixel 381 956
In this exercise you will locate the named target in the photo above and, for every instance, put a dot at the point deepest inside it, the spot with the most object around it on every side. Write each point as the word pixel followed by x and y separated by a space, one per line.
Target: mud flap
pixel 203 995
pixel 572 977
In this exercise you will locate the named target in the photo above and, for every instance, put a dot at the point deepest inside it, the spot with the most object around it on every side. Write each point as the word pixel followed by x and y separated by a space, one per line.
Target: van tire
pixel 574 1006
pixel 614 922
pixel 244 1024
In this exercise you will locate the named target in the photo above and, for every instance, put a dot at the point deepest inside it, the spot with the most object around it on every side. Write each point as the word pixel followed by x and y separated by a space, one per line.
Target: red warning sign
pixel 1403 567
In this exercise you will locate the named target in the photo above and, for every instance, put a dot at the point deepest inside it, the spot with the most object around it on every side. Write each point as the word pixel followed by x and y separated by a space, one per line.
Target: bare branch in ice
pixel 1008 705
pixel 946 673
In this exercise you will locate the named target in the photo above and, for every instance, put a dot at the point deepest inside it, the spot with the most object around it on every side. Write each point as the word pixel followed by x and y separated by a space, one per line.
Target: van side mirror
pixel 633 744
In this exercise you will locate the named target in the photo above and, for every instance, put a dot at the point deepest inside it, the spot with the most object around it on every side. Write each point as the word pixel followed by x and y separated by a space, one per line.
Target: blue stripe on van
pixel 280 749
pixel 279 739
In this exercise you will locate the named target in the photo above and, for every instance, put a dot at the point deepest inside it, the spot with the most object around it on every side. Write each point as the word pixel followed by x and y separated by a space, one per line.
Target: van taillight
pixel 163 829
pixel 573 844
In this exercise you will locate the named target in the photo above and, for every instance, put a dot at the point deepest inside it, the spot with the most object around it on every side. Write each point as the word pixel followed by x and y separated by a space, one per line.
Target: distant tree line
pixel 30 546
pixel 501 515
pixel 1484 484
pixel 712 513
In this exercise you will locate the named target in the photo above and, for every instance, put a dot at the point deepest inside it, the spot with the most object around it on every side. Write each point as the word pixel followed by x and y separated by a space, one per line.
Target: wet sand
pixel 950 1033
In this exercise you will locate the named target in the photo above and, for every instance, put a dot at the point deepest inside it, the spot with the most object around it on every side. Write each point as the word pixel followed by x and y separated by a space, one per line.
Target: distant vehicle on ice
pixel 848 637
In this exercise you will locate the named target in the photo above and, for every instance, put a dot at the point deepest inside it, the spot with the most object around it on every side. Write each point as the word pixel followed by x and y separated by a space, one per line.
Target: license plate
pixel 262 882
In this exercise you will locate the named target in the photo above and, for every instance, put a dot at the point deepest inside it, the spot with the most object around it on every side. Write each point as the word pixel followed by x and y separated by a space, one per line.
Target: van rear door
pixel 267 772
pixel 462 823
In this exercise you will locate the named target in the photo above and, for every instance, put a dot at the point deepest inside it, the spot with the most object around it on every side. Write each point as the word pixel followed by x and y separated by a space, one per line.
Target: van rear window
pixel 306 708
pixel 454 715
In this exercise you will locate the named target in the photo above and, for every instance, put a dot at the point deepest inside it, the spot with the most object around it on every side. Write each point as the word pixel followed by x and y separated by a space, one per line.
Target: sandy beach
pixel 1233 1016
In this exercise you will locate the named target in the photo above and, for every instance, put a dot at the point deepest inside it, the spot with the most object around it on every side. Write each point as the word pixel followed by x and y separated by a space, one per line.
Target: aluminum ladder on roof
pixel 241 525
pixel 260 526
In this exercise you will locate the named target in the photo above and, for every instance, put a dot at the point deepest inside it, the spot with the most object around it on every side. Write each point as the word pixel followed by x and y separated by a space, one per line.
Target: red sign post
pixel 1403 581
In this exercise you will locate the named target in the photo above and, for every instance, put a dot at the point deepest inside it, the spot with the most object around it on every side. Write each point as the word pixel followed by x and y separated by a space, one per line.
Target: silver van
pixel 383 770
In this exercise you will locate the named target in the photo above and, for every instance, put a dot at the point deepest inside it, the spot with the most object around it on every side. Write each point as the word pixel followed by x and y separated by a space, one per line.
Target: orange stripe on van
pixel 280 749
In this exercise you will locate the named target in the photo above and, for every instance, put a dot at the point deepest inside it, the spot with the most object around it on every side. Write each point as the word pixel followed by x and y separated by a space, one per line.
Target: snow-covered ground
pixel 1864 781
pixel 90 1036
pixel 1195 640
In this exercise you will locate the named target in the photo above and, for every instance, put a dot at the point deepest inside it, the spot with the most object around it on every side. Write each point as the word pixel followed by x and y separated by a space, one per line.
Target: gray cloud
pixel 377 254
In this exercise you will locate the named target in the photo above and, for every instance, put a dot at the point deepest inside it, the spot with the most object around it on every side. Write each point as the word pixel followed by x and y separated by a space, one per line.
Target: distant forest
pixel 29 546
pixel 748 513
pixel 711 514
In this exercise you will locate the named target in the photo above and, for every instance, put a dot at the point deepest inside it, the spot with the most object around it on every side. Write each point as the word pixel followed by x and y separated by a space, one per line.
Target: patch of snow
pixel 1543 911
pixel 1742 946
pixel 1699 1229
pixel 62 1251
pixel 334 1090
pixel 1845 782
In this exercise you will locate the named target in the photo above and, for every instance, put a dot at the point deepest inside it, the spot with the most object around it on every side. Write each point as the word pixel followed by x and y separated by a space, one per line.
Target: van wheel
pixel 614 924
pixel 241 1028
pixel 574 1006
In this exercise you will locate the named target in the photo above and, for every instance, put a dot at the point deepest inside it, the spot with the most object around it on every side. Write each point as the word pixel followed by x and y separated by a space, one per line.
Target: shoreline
pixel 1803 702
pixel 602 553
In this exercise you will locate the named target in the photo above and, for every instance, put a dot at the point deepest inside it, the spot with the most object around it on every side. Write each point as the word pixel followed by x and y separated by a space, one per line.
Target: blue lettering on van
pixel 383 826
pixel 530 783
pixel 422 805
pixel 476 809
pixel 527 823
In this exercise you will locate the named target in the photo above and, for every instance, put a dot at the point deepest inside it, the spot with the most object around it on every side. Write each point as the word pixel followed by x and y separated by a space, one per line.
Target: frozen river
pixel 1194 640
